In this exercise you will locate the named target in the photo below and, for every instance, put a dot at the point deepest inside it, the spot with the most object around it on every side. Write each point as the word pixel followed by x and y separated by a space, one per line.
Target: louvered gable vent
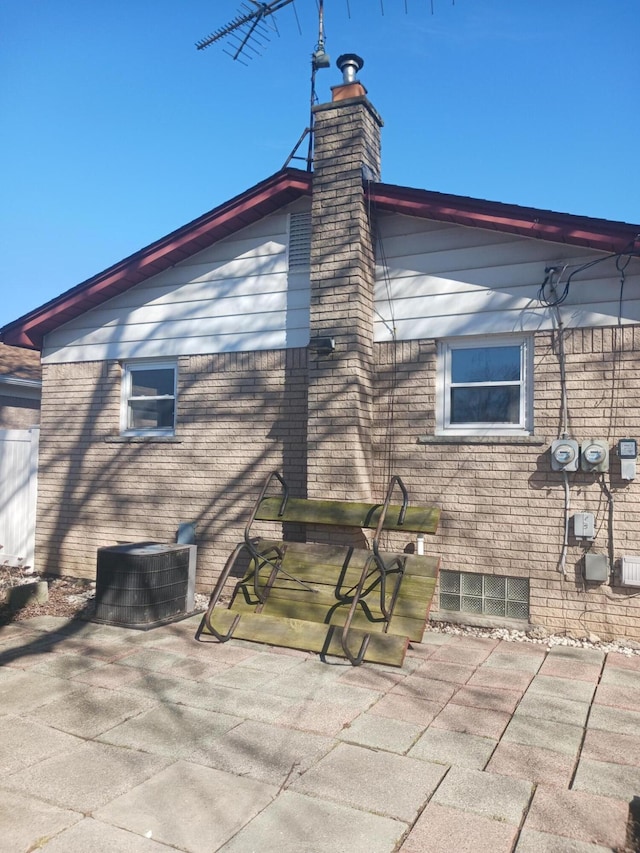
pixel 299 241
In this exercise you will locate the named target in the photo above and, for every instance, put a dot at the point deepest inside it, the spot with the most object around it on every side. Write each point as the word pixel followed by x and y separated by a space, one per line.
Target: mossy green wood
pixel 310 636
pixel 327 590
pixel 314 562
pixel 310 594
pixel 348 514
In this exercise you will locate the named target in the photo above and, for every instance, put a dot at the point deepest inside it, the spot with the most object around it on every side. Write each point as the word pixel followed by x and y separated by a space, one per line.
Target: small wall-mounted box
pixel 630 571
pixel 584 525
pixel 596 568
pixel 628 454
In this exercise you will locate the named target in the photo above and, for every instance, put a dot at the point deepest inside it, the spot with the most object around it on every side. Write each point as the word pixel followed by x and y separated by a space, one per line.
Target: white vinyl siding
pixel 446 280
pixel 237 295
pixel 247 292
pixel 19 476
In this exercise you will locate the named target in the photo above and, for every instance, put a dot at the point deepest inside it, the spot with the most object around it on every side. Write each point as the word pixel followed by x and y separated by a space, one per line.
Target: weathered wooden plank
pixel 310 636
pixel 412 608
pixel 409 614
pixel 310 555
pixel 348 514
pixel 315 600
pixel 324 594
pixel 330 574
pixel 411 628
pixel 422 565
pixel 417 588
pixel 369 617
pixel 312 558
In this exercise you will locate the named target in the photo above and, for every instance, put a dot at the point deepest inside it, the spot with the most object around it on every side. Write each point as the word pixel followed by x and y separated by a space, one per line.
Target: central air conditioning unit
pixel 144 584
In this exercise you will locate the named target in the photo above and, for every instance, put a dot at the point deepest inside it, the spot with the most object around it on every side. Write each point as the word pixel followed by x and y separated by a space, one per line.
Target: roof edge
pixel 286 186
pixel 601 234
pixel 249 206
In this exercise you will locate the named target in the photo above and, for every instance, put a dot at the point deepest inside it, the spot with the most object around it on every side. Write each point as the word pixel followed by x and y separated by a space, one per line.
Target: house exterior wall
pixel 502 506
pixel 240 416
pixel 251 398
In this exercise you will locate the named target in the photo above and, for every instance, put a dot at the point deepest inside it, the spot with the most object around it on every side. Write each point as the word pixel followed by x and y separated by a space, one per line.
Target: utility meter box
pixel 584 525
pixel 564 455
pixel 596 568
pixel 628 453
pixel 594 455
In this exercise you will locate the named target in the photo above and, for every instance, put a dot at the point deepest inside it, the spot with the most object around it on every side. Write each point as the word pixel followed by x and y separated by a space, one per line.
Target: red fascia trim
pixel 599 234
pixel 231 216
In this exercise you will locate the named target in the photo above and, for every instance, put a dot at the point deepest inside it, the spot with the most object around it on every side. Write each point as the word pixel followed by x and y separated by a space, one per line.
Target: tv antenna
pixel 248 31
pixel 250 25
pixel 248 28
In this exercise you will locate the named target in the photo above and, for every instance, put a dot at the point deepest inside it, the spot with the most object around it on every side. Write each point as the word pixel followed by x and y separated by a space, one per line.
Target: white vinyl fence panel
pixel 18 489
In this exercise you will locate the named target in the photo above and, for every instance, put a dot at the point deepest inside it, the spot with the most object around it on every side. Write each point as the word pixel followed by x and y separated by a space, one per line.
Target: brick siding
pixel 240 416
pixel 243 415
pixel 347 135
pixel 502 506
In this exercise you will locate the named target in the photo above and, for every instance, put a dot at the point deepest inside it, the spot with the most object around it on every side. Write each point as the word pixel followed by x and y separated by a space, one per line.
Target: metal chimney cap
pixel 349 64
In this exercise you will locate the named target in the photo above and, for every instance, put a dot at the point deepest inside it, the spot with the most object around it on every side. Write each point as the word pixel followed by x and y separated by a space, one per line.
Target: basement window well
pixel 486 595
pixel 148 398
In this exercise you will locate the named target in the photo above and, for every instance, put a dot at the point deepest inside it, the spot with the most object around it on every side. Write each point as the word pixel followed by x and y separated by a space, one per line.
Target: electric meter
pixel 628 448
pixel 564 455
pixel 628 452
pixel 595 455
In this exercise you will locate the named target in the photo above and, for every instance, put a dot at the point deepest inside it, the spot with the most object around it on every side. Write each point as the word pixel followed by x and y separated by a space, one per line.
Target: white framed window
pixel 485 386
pixel 148 398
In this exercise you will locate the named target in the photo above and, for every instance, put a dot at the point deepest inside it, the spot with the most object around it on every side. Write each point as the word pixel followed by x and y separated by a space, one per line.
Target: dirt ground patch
pixel 68 597
pixel 72 598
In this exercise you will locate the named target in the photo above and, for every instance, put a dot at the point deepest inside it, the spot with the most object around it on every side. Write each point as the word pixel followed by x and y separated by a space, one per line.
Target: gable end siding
pixel 234 296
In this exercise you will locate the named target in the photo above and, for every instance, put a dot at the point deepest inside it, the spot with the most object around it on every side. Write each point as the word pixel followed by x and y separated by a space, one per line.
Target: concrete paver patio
pixel 119 740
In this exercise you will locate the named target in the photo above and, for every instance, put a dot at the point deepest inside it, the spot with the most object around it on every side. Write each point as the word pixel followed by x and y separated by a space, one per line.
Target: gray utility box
pixel 596 568
pixel 144 584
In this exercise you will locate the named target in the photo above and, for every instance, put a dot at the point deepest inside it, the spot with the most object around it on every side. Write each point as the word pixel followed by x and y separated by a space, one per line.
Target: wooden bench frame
pixel 344 514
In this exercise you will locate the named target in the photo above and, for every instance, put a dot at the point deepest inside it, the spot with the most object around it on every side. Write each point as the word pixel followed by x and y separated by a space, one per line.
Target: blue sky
pixel 116 130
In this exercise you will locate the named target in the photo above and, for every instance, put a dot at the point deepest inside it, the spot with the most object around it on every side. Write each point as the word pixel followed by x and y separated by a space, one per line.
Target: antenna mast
pixel 246 30
pixel 319 59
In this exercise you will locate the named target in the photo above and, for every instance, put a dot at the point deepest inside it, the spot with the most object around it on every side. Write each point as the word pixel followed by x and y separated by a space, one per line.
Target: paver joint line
pixel 586 724
pixel 525 814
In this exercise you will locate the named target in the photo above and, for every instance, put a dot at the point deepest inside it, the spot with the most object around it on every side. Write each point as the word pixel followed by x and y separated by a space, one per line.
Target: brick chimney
pixel 346 155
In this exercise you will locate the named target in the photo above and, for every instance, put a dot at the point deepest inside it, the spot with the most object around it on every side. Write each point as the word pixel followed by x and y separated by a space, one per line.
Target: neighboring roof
pixel 19 364
pixel 287 186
